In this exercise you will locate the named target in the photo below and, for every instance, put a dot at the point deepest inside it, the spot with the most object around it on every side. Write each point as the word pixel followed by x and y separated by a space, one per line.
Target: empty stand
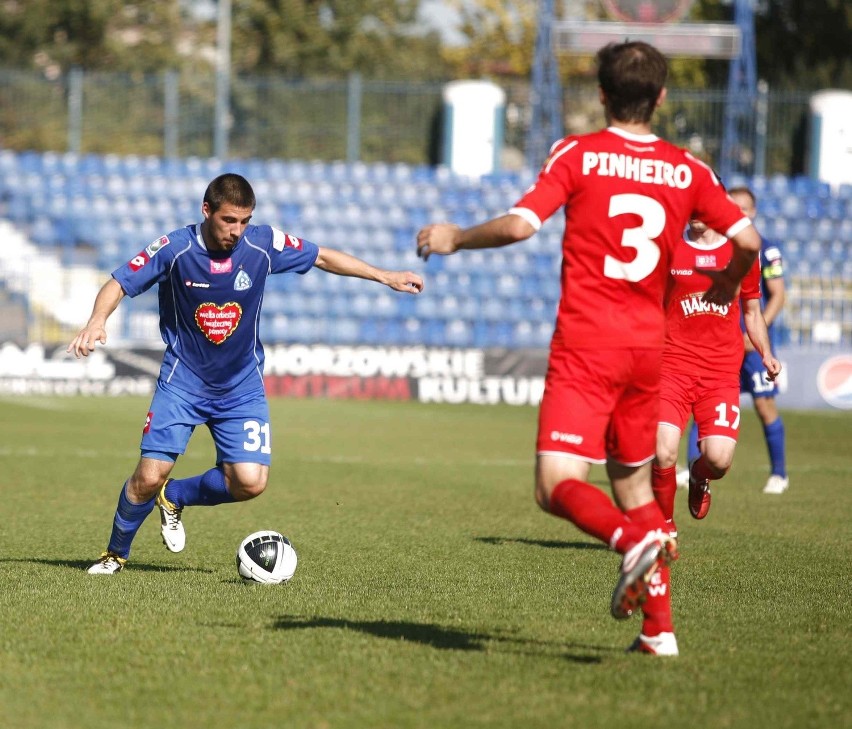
pixel 99 210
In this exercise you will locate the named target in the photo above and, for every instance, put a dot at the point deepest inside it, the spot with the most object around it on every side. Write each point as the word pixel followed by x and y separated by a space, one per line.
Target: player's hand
pixel 773 367
pixel 440 238
pixel 85 341
pixel 722 290
pixel 405 281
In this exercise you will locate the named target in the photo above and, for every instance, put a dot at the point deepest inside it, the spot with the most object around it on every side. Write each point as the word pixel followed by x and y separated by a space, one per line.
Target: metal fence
pixel 173 115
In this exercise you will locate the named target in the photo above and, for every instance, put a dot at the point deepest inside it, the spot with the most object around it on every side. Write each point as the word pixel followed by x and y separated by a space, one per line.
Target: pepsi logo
pixel 834 381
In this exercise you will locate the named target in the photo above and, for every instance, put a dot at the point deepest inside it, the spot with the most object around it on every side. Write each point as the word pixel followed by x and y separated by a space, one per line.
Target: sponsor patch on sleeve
pixel 280 240
pixel 139 260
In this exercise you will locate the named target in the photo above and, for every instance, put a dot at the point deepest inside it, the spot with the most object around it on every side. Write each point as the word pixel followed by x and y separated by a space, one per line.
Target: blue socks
pixel 692 452
pixel 128 519
pixel 774 433
pixel 208 489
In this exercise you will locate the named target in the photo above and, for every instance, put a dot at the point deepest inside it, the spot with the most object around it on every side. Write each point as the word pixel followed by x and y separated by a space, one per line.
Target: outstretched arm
pixel 446 238
pixel 343 264
pixel 755 326
pixel 106 302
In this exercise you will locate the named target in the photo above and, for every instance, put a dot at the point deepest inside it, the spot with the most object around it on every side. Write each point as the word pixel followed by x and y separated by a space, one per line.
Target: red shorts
pixel 601 403
pixel 713 401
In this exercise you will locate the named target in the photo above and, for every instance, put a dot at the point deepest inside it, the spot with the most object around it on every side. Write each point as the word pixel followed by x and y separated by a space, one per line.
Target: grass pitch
pixel 430 592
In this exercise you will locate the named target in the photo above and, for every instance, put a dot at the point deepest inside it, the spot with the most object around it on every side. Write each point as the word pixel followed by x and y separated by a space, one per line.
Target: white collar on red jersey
pixel 642 138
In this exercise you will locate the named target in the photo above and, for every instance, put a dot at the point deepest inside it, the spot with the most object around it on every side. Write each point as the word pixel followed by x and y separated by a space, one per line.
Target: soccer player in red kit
pixel 701 367
pixel 627 196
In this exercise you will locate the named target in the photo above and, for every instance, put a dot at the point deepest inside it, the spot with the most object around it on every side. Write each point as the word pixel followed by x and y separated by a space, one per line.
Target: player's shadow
pixel 440 636
pixel 546 543
pixel 81 564
pixel 436 636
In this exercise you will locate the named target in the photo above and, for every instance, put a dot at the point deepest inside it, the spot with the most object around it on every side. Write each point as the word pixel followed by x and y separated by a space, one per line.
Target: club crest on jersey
pixel 242 282
pixel 217 323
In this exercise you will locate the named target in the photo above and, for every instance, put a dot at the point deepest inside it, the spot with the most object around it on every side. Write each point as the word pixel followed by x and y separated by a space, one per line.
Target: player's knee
pixel 720 463
pixel 666 457
pixel 247 483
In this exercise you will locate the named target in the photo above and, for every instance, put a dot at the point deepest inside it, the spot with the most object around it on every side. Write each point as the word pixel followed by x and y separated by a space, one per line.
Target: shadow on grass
pixel 441 636
pixel 84 564
pixel 546 543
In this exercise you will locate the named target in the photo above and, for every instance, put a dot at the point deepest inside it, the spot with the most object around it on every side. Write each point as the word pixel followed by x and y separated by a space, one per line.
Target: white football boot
pixel 108 564
pixel 664 644
pixel 171 527
pixel 776 484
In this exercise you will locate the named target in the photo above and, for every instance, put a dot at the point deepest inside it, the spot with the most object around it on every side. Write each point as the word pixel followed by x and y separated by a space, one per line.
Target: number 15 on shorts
pixel 257 437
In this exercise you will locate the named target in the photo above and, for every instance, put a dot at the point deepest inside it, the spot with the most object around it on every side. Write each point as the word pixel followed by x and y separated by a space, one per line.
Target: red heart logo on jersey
pixel 218 322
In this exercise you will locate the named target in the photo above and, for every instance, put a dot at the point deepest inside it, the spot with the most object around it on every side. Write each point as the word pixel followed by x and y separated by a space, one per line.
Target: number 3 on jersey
pixel 257 438
pixel 647 251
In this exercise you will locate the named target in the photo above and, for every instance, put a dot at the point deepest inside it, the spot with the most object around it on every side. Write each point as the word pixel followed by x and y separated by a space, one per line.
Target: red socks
pixel 591 510
pixel 700 471
pixel 657 608
pixel 664 484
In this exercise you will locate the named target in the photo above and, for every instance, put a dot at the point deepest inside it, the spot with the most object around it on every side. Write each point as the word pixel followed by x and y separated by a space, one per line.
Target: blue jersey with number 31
pixel 210 303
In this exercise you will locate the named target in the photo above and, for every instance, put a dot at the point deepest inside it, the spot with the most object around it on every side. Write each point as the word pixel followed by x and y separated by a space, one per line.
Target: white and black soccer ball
pixel 266 557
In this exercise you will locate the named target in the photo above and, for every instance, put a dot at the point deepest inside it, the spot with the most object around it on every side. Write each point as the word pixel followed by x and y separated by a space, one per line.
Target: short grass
pixel 430 592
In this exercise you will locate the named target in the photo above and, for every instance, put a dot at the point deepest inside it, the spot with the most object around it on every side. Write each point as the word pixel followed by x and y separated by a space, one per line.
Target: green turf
pixel 430 591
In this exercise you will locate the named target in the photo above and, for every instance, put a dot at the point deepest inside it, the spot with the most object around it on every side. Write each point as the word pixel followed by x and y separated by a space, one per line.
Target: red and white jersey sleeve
pixel 704 338
pixel 627 199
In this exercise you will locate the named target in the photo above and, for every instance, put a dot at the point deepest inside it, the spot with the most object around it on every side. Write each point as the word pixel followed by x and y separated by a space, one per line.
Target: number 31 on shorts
pixel 257 436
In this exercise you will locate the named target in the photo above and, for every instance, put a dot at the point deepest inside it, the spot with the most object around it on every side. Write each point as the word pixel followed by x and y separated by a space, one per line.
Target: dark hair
pixel 743 190
pixel 229 189
pixel 631 75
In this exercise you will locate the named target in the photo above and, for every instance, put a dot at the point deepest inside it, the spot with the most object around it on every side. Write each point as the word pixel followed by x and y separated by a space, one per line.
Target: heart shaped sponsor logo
pixel 218 322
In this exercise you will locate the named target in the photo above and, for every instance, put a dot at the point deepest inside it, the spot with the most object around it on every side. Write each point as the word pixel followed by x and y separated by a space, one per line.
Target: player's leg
pixel 676 397
pixel 241 432
pixel 717 414
pixel 754 381
pixel 167 430
pixel 632 433
pixel 573 419
pixel 663 472
pixel 773 432
pixel 135 501
pixel 692 454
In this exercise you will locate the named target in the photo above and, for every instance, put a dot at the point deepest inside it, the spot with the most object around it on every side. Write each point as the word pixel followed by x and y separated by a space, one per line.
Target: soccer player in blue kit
pixel 211 280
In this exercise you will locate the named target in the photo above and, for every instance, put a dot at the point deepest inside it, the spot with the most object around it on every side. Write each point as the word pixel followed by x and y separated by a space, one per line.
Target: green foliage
pixel 800 45
pixel 430 592
pixel 332 38
pixel 56 35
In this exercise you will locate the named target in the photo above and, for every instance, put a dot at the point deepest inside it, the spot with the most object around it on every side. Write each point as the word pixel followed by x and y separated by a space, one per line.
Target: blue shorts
pixel 239 425
pixel 753 379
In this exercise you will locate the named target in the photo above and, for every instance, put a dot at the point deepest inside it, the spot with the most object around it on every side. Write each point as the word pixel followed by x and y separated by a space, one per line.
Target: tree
pixel 799 45
pixel 332 38
pixel 56 35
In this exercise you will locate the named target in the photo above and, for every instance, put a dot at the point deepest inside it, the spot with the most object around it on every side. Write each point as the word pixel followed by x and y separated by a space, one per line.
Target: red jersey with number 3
pixel 701 338
pixel 627 200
